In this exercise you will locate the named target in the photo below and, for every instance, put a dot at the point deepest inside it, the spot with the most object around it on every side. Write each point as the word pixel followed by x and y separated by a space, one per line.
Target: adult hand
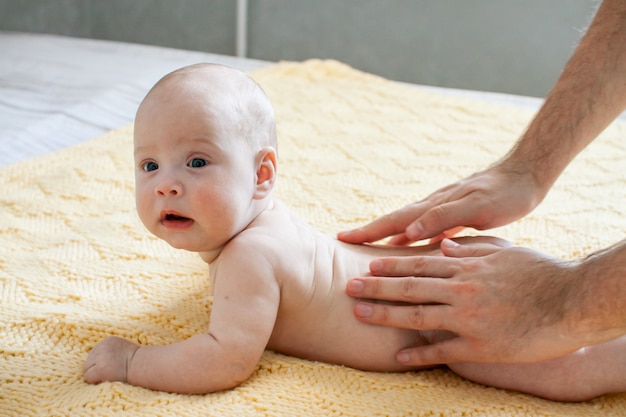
pixel 504 304
pixel 490 198
pixel 512 304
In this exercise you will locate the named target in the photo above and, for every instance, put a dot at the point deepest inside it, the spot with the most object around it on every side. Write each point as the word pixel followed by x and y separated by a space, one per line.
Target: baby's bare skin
pixel 277 283
pixel 206 163
pixel 315 319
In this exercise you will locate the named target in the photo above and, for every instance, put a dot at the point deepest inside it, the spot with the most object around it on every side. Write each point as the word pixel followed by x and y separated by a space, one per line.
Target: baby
pixel 205 163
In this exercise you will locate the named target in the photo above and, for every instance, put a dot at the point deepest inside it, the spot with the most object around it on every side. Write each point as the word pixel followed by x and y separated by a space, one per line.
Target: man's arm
pixel 598 307
pixel 590 93
pixel 588 96
pixel 482 295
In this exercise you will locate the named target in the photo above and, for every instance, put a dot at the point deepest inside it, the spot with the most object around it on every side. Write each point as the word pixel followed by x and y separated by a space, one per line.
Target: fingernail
pixel 363 310
pixel 376 266
pixel 450 243
pixel 355 286
pixel 403 357
pixel 414 231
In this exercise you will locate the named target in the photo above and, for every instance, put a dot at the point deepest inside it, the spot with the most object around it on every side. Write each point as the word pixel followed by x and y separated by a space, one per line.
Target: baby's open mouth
pixel 175 217
pixel 173 220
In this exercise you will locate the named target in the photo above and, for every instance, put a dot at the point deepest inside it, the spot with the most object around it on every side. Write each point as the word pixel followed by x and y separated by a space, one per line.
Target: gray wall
pixel 204 25
pixel 514 46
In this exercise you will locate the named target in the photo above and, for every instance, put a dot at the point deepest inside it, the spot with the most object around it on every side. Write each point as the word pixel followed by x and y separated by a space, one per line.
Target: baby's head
pixel 234 102
pixel 205 156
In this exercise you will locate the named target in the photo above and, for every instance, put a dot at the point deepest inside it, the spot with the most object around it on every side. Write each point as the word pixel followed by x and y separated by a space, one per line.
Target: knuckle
pixel 465 290
pixel 370 289
pixel 439 213
pixel 409 288
pixel 387 266
pixel 470 265
pixel 418 263
pixel 401 266
pixel 383 315
pixel 416 317
pixel 373 287
pixel 436 219
pixel 441 354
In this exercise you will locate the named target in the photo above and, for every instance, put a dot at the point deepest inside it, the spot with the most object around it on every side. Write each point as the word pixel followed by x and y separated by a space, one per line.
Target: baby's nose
pixel 168 187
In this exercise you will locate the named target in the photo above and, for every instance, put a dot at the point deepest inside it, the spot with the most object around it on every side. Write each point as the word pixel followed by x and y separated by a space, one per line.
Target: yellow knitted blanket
pixel 76 264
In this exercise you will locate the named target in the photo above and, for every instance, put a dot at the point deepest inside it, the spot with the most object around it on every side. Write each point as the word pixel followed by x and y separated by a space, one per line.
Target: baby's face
pixel 194 181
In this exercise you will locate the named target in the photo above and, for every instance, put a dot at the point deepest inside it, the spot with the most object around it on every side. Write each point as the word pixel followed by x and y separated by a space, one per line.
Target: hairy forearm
pixel 197 365
pixel 597 309
pixel 590 93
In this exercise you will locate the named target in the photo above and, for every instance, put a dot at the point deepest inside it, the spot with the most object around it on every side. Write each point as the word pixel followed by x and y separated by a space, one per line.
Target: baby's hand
pixel 109 360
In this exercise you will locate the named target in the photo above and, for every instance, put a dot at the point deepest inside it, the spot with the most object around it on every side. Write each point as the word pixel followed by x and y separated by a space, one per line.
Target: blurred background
pixel 510 46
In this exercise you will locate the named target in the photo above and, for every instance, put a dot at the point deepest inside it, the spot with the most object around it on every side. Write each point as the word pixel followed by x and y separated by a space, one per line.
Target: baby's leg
pixel 585 374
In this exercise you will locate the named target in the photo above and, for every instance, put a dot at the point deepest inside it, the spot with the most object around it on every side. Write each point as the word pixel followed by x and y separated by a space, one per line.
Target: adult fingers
pixel 456 249
pixel 404 290
pixel 414 317
pixel 415 266
pixel 403 240
pixel 399 240
pixel 446 234
pixel 441 218
pixel 446 352
pixel 387 225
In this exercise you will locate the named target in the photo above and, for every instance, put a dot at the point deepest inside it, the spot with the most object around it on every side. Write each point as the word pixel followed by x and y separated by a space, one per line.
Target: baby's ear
pixel 265 172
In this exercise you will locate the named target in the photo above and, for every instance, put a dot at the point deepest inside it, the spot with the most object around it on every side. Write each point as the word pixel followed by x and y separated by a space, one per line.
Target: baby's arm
pixel 189 367
pixel 246 299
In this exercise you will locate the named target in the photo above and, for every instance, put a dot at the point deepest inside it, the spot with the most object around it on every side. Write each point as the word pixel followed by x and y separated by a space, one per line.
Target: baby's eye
pixel 196 163
pixel 150 166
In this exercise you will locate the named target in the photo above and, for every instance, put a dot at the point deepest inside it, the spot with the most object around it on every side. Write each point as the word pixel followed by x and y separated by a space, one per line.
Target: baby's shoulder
pixel 244 260
pixel 260 243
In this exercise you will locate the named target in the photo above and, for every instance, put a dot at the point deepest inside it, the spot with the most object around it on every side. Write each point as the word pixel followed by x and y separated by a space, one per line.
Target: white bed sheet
pixel 57 91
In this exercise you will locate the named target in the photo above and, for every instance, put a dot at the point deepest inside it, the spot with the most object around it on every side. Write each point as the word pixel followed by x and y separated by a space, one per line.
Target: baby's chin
pixel 182 244
pixel 177 242
pixel 184 241
pixel 185 244
pixel 177 245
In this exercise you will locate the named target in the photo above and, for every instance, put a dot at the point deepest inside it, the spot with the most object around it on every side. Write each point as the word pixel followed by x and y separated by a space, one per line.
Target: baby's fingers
pixel 108 360
pixel 93 373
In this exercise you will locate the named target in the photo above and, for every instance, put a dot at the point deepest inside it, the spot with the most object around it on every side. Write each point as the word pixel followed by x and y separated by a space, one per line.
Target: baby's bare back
pixel 315 319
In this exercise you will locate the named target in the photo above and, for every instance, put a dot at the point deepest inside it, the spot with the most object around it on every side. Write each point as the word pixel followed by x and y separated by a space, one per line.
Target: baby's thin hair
pixel 255 119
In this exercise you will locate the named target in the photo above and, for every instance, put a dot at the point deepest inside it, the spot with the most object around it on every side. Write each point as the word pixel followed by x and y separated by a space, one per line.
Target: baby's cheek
pixel 144 206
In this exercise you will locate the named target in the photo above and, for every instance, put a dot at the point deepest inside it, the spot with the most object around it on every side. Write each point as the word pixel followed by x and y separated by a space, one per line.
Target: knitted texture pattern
pixel 77 265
